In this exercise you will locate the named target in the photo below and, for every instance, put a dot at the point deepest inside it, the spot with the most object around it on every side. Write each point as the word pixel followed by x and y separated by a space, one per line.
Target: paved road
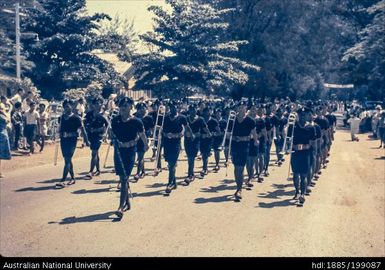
pixel 344 216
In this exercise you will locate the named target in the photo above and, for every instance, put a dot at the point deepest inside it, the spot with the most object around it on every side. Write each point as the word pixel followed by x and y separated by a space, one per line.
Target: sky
pixel 132 9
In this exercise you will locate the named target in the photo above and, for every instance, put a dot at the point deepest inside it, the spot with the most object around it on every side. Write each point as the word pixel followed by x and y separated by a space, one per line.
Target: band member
pixel 269 137
pixel 314 153
pixel 206 141
pixel 244 127
pixel 332 121
pixel 172 132
pixel 253 149
pixel 324 124
pixel 70 124
pixel 302 137
pixel 191 142
pixel 260 127
pixel 126 130
pixel 147 124
pixel 217 127
pixel 96 126
pixel 279 122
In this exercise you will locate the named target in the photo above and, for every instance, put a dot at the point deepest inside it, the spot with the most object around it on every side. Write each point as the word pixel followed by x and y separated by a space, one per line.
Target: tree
pixel 298 44
pixel 118 36
pixel 366 58
pixel 189 52
pixel 63 55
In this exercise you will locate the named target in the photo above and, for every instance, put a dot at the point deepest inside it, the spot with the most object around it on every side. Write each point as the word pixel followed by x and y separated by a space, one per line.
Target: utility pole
pixel 18 58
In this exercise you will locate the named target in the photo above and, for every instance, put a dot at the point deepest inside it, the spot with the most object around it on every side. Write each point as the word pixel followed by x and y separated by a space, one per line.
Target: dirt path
pixel 344 216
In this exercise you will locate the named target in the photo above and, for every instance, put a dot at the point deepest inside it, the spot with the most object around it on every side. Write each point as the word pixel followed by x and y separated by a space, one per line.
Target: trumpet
pixel 157 136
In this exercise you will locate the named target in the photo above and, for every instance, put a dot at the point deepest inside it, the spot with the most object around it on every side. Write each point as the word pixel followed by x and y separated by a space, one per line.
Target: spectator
pixel 17 124
pixel 381 129
pixel 18 97
pixel 30 98
pixel 31 120
pixel 354 122
pixel 375 118
pixel 5 151
pixel 43 129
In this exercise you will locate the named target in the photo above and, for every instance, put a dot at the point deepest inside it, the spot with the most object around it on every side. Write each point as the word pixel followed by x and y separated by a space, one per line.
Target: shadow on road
pixel 106 182
pixel 219 199
pixel 283 203
pixel 280 191
pixel 35 188
pixel 97 190
pixel 91 218
pixel 380 158
pixel 217 188
pixel 50 181
pixel 149 194
pixel 157 185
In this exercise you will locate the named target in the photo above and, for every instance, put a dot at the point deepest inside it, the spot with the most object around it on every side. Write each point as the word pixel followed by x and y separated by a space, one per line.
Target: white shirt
pixel 31 118
pixel 16 98
pixel 354 124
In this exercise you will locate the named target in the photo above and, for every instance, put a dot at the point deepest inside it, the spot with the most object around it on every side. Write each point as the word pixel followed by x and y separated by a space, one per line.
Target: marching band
pixel 244 130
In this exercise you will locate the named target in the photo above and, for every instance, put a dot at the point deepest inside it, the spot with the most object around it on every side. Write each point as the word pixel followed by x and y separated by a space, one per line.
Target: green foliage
pixel 189 52
pixel 118 36
pixel 63 55
pixel 366 59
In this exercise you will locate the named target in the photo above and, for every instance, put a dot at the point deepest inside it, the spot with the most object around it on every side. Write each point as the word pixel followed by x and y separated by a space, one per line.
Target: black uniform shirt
pixel 197 124
pixel 72 124
pixel 279 123
pixel 95 122
pixel 213 125
pixel 174 125
pixel 126 131
pixel 268 123
pixel 322 122
pixel 331 118
pixel 302 135
pixel 244 128
pixel 222 124
pixel 317 130
pixel 259 124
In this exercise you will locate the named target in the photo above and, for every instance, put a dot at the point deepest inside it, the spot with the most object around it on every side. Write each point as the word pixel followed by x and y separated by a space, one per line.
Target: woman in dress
pixel 5 149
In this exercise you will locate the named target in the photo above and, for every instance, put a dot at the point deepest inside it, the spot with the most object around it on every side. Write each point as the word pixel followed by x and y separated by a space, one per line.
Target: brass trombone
pixel 229 133
pixel 289 137
pixel 157 136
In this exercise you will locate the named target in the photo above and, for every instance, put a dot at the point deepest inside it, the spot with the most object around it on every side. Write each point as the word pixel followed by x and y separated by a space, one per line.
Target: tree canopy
pixel 190 52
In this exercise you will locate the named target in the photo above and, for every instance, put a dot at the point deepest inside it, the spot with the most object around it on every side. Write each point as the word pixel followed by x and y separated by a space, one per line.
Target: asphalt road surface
pixel 343 216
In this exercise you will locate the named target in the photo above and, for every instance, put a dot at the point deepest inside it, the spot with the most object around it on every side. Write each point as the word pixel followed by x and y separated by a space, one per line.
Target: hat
pixel 303 110
pixel 140 105
pixel 378 107
pixel 125 100
pixel 68 101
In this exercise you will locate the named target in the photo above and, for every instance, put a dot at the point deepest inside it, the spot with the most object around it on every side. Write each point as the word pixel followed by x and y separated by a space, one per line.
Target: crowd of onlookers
pixel 361 120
